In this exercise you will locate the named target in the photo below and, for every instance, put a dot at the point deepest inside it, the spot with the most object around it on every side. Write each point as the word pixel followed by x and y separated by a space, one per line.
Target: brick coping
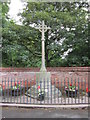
pixel 49 69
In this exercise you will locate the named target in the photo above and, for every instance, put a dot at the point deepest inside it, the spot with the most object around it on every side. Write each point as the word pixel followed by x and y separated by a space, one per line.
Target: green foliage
pixel 69 32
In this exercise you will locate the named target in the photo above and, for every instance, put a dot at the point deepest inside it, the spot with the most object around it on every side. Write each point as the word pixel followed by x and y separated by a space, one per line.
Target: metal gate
pixel 44 92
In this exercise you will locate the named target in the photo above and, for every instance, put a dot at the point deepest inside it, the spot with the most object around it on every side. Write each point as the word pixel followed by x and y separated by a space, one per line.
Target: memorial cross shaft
pixel 43 28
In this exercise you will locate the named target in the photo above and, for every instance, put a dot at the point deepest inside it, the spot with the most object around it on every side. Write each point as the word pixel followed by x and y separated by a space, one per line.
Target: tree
pixel 69 30
pixel 21 45
pixel 11 55
pixel 15 51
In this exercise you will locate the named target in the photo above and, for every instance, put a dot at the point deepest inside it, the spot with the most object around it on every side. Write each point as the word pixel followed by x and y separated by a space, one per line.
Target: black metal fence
pixel 44 91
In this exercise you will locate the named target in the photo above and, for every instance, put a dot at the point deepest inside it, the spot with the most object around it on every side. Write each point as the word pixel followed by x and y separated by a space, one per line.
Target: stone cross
pixel 43 28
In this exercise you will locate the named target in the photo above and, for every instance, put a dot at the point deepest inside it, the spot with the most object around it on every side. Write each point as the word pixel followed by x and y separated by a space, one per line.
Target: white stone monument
pixel 43 28
pixel 43 77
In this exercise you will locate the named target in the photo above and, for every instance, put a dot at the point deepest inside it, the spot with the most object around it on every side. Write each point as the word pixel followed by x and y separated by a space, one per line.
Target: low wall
pixel 49 69
pixel 78 74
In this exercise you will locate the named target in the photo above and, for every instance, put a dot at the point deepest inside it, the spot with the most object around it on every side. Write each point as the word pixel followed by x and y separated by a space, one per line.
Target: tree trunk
pixel 46 50
pixel 47 61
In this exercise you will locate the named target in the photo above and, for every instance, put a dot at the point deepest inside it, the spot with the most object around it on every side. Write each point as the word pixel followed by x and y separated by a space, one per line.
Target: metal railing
pixel 44 91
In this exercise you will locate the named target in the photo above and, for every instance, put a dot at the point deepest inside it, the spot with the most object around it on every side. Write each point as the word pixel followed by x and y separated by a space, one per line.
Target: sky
pixel 16 6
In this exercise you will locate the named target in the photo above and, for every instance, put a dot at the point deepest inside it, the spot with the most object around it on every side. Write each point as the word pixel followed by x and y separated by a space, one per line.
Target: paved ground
pixel 60 100
pixel 13 112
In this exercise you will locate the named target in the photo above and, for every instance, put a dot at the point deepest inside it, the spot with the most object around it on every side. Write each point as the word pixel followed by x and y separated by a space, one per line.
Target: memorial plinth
pixel 44 86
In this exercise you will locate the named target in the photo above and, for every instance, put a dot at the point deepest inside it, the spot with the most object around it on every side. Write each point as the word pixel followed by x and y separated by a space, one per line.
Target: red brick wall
pixel 55 77
pixel 50 69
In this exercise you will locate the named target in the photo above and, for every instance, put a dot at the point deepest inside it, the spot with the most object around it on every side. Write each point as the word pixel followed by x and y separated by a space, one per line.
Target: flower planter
pixel 41 96
pixel 89 94
pixel 71 93
pixel 17 90
pixel 0 90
